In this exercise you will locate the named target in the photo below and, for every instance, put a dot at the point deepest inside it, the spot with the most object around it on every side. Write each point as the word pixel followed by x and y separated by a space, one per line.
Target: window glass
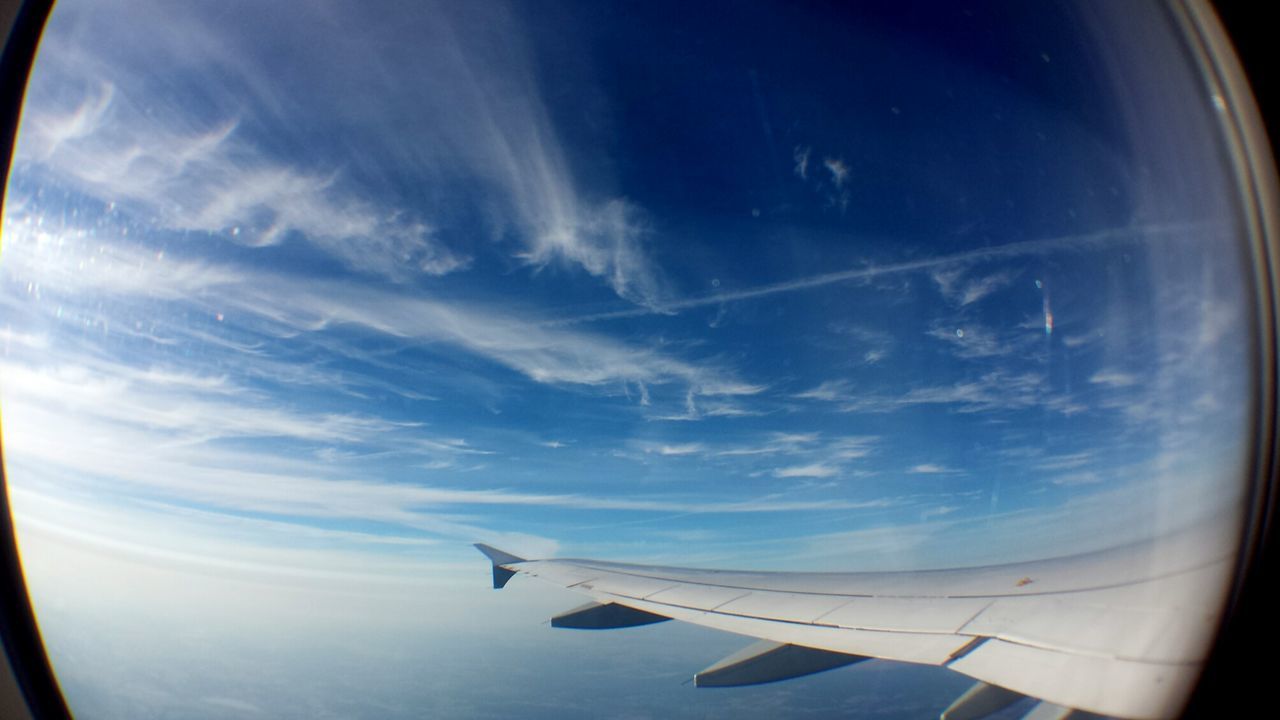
pixel 300 299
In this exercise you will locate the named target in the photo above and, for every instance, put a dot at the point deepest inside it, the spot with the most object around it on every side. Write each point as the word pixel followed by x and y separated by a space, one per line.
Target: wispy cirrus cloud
pixel 607 242
pixel 972 340
pixel 257 481
pixel 828 390
pixel 700 408
pixel 1078 478
pixel 1113 379
pixel 831 184
pixel 493 114
pixel 675 450
pixel 210 180
pixel 875 345
pixel 931 469
pixel 99 122
pixel 851 447
pixel 791 454
pixel 801 155
pixel 725 408
pixel 191 427
pixel 960 287
pixel 812 470
pixel 998 389
pixel 838 170
pixel 825 458
pixel 1067 461
pixel 283 306
pixel 773 443
pixel 179 408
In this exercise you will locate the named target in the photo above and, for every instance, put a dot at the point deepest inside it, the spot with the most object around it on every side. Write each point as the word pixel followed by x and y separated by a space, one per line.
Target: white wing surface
pixel 1121 632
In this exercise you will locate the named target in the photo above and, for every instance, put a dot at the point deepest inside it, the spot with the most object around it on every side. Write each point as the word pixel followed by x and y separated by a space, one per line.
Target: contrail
pixel 1028 247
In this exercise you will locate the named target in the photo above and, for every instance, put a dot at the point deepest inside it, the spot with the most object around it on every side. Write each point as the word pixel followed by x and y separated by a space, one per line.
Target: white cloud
pixel 930 469
pixel 287 307
pixel 801 156
pixel 978 289
pixel 249 481
pixel 728 409
pixel 677 450
pixel 493 115
pixel 813 470
pixel 1065 462
pixel 128 139
pixel 777 442
pixel 543 354
pixel 694 410
pixel 1078 478
pixel 748 450
pixel 606 241
pixel 177 406
pixel 794 438
pixel 995 391
pixel 211 181
pixel 961 290
pixel 9 338
pixel 878 344
pixel 838 169
pixel 1113 379
pixel 851 448
pixel 828 391
pixel 180 419
pixel 972 340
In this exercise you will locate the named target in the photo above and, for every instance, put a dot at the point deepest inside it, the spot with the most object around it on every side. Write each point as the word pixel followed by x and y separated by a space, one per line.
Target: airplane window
pixel 923 344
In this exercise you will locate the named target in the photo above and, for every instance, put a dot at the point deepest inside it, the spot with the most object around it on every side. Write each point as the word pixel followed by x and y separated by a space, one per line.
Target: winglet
pixel 500 574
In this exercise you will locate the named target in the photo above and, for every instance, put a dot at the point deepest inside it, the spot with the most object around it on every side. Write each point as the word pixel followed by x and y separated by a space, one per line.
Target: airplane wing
pixel 1121 632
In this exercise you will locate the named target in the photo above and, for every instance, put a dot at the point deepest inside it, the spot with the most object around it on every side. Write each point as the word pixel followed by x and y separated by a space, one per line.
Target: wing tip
pixel 499 558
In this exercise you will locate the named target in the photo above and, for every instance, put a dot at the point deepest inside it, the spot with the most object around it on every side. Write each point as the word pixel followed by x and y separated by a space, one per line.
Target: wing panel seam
pixel 974 596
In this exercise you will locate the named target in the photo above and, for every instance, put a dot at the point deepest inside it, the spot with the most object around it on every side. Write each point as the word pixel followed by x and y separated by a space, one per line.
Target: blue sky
pixel 321 294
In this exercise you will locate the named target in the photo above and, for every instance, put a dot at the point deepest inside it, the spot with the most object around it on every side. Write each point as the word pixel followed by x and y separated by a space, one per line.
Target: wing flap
pixel 926 615
pixel 927 648
pixel 1161 635
pixel 698 596
pixel 1108 686
pixel 766 662
pixel 606 616
pixel 785 606
pixel 980 701
pixel 628 586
